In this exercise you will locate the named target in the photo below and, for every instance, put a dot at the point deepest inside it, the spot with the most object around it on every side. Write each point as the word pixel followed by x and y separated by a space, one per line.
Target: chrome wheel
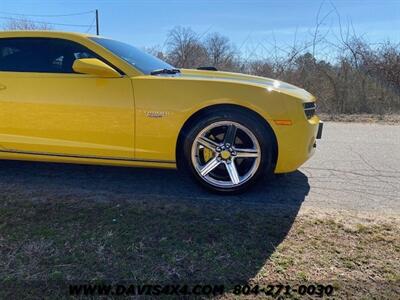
pixel 226 154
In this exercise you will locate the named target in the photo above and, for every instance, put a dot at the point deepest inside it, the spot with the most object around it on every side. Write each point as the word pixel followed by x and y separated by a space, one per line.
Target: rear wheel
pixel 227 151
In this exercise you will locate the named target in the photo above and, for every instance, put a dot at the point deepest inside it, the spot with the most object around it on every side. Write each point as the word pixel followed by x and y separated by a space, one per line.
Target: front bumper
pixel 319 132
pixel 296 143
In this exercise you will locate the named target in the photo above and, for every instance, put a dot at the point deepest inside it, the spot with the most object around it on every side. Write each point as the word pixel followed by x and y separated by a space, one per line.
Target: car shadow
pixel 189 235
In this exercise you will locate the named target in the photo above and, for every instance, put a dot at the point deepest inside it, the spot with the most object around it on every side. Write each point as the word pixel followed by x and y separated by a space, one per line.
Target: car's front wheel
pixel 227 151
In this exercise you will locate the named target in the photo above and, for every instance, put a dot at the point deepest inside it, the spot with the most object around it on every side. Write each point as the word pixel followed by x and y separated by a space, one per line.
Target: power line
pixel 26 18
pixel 47 23
pixel 91 25
pixel 49 16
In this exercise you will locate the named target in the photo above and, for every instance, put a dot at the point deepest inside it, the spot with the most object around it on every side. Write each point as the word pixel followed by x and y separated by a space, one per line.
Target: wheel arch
pixel 215 107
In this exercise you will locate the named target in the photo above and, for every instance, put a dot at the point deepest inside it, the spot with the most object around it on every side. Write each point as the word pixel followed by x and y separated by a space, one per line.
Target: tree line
pixel 358 77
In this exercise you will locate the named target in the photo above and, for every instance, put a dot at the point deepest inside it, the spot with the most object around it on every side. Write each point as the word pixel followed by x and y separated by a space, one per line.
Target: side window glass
pixel 43 55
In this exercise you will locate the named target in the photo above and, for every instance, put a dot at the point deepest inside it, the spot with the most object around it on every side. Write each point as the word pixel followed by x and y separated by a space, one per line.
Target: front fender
pixel 164 104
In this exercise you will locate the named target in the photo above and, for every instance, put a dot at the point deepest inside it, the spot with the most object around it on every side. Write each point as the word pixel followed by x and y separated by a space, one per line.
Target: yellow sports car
pixel 67 97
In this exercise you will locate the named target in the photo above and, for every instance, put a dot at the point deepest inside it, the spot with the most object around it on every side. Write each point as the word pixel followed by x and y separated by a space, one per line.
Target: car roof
pixel 43 33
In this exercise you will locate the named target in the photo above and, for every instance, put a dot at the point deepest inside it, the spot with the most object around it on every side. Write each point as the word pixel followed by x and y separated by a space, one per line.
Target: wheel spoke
pixel 245 153
pixel 233 173
pixel 211 165
pixel 206 142
pixel 230 134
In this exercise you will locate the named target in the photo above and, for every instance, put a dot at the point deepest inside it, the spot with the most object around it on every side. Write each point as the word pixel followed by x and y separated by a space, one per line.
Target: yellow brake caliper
pixel 208 154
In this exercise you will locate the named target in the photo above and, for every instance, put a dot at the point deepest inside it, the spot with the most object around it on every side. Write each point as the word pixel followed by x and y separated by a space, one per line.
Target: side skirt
pixel 78 159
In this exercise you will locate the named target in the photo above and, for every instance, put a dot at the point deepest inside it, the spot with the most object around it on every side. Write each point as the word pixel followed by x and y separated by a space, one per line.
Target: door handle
pixel 2 87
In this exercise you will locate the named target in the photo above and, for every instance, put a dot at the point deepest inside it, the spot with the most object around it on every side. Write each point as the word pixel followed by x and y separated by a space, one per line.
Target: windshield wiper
pixel 165 71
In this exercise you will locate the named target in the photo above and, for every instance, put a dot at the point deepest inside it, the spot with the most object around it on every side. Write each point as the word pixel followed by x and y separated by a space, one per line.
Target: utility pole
pixel 97 21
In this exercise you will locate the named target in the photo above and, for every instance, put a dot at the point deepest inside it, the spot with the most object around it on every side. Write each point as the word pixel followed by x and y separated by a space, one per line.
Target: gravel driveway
pixel 356 168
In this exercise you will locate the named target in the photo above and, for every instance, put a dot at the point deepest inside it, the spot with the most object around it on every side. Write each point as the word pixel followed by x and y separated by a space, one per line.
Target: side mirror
pixel 94 66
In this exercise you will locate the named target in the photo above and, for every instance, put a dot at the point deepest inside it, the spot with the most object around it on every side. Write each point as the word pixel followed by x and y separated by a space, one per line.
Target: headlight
pixel 309 109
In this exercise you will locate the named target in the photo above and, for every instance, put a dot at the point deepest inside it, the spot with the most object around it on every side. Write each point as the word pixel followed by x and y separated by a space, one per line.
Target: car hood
pixel 270 84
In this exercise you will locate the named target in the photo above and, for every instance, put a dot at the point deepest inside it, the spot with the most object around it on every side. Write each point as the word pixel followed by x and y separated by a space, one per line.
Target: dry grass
pixel 393 119
pixel 360 258
pixel 46 242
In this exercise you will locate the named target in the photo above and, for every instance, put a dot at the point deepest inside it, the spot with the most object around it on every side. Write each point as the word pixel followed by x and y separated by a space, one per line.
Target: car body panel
pixel 268 83
pixel 172 100
pixel 71 114
pixel 136 120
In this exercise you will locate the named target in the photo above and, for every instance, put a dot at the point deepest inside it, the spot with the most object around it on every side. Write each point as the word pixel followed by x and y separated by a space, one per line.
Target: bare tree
pixel 185 49
pixel 156 51
pixel 261 68
pixel 355 76
pixel 220 51
pixel 25 24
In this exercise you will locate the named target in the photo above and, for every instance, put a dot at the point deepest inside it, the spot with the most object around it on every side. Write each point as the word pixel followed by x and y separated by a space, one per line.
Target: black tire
pixel 249 120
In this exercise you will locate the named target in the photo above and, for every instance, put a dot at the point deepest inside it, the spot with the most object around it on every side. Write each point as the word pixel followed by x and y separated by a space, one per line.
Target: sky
pixel 251 25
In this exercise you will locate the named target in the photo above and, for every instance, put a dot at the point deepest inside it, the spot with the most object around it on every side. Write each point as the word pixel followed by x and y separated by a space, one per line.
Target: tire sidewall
pixel 261 132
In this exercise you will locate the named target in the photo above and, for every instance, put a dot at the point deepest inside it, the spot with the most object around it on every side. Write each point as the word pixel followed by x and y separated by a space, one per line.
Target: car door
pixel 47 108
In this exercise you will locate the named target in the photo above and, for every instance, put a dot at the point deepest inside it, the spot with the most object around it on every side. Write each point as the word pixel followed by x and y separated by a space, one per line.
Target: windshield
pixel 144 62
